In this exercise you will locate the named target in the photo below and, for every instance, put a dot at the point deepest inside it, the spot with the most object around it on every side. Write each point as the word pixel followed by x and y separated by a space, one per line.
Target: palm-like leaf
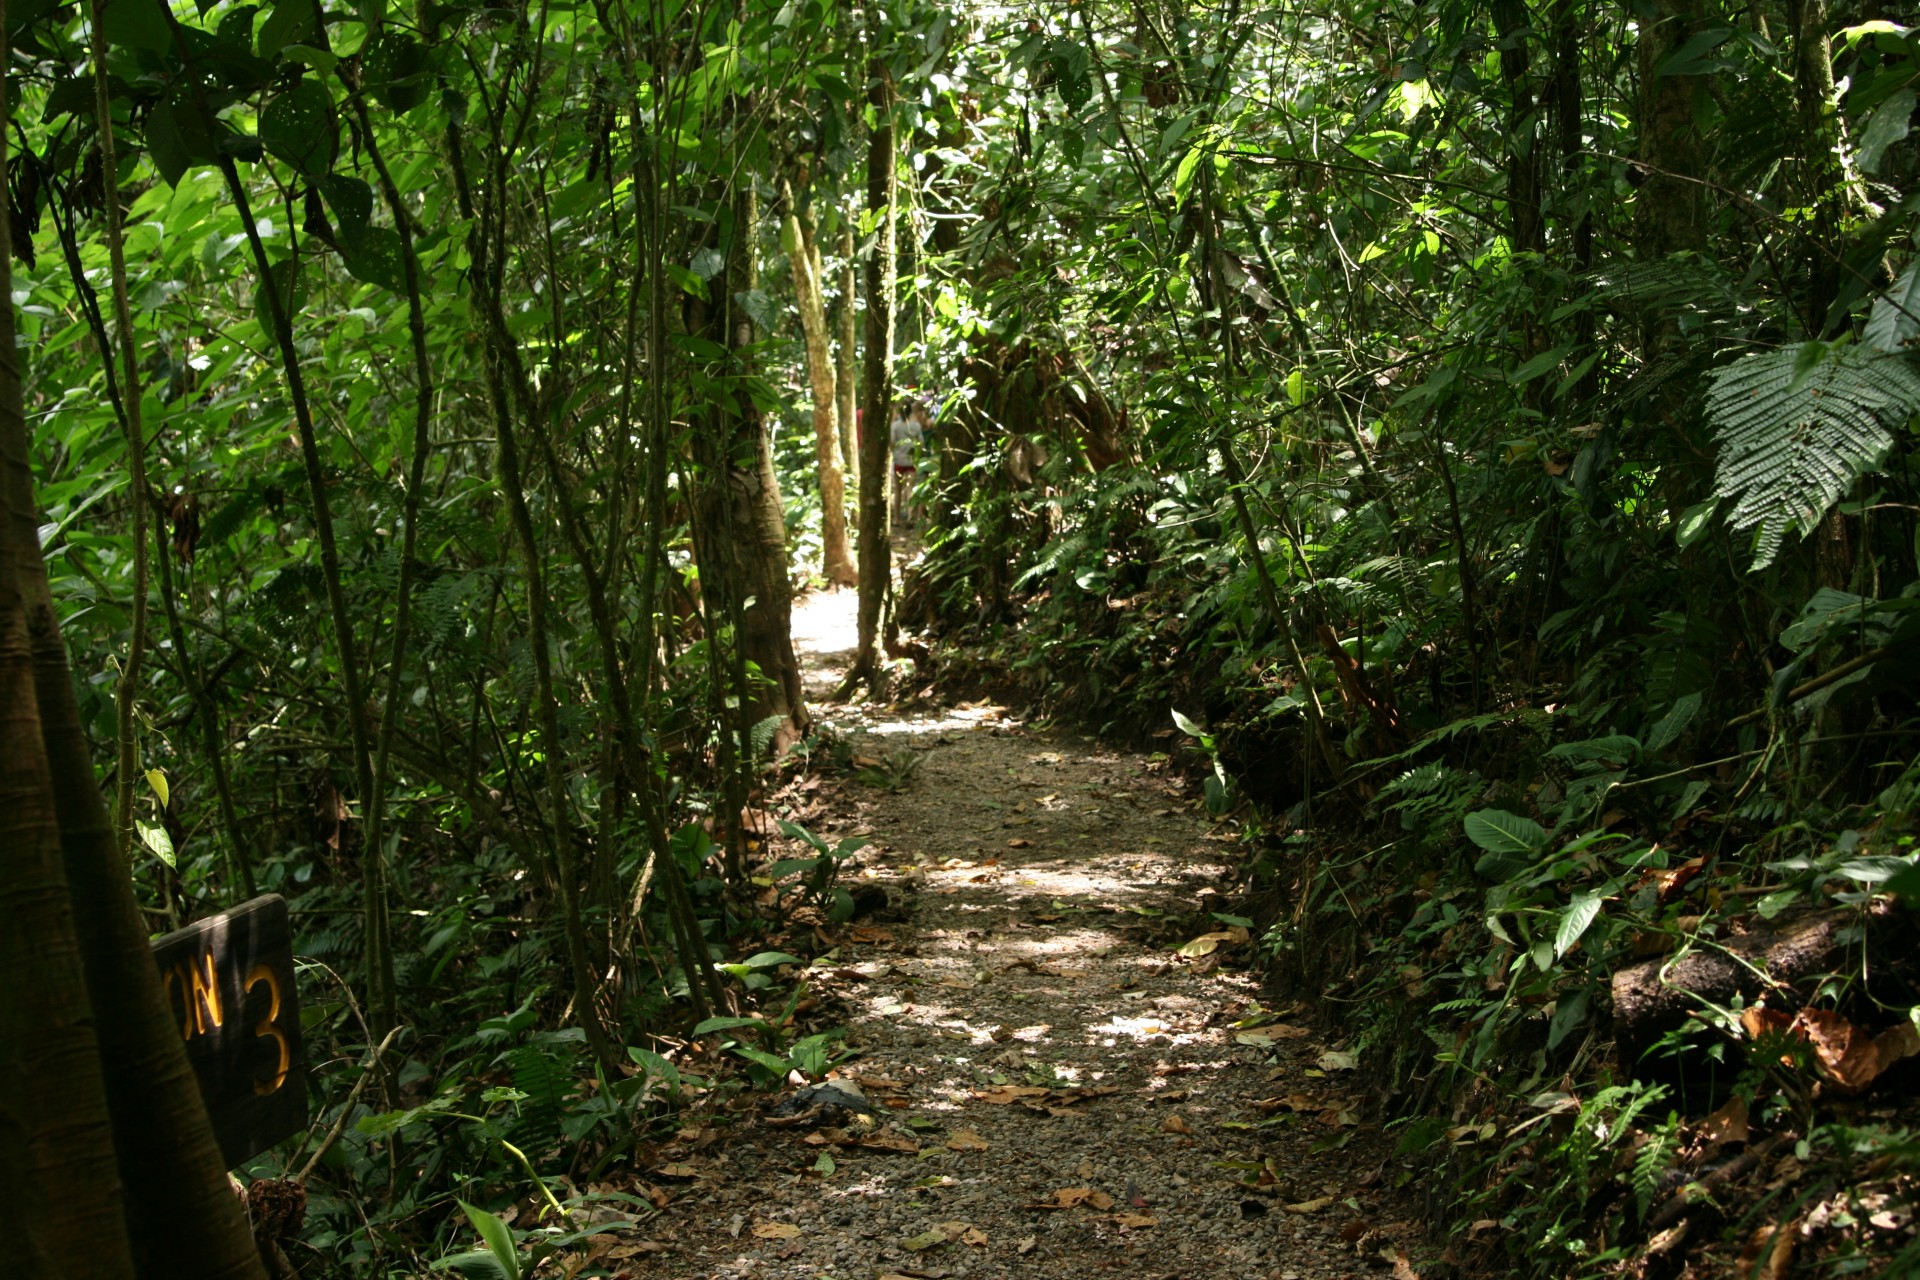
pixel 1797 427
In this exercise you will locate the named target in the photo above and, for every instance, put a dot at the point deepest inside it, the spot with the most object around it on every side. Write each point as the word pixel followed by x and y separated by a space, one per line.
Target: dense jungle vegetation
pixel 1476 438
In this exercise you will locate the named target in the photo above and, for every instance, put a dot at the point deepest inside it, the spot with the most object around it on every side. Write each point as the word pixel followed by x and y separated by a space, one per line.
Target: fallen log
pixel 1783 960
pixel 1658 995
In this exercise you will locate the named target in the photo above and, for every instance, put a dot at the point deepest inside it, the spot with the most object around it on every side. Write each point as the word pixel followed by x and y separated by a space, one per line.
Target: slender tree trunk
pixel 509 386
pixel 876 568
pixel 127 692
pixel 836 556
pixel 845 388
pixel 383 999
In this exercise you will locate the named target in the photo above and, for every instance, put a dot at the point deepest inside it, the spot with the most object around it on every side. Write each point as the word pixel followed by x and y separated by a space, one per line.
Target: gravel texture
pixel 1057 1089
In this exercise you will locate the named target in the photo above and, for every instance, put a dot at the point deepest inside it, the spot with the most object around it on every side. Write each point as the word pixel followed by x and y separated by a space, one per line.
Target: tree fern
pixel 1797 427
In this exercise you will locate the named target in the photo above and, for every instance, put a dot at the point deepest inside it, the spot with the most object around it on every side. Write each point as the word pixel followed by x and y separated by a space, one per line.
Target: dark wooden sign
pixel 229 982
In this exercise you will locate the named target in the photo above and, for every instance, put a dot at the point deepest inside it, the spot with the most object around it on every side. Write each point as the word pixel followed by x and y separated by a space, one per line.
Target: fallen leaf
pixel 638 1247
pixel 1019 842
pixel 677 1170
pixel 1847 1055
pixel 1010 1093
pixel 966 1140
pixel 776 1230
pixel 1337 1060
pixel 1206 944
pixel 1175 1123
pixel 1771 1247
pixel 1728 1124
pixel 890 1142
pixel 925 1240
pixel 963 1232
pixel 1403 1269
pixel 1135 1220
pixel 1073 1197
pixel 1314 1205
pixel 1026 1246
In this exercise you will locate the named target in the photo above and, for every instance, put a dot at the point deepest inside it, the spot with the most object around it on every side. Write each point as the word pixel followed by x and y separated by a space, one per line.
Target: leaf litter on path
pixel 1039 1083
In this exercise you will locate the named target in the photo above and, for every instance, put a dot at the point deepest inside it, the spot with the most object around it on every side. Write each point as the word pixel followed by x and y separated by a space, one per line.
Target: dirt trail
pixel 1057 1091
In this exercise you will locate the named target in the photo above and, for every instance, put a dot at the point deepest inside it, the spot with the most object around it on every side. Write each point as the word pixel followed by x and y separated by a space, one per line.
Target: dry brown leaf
pixel 1026 1245
pixel 1010 1093
pixel 1175 1123
pixel 1901 1042
pixel 1019 842
pixel 1135 1220
pixel 1314 1205
pixel 1728 1124
pixel 1403 1269
pixel 888 1141
pixel 677 1170
pixel 1770 1247
pixel 1073 1197
pixel 1842 1052
pixel 776 1230
pixel 963 1232
pixel 966 1140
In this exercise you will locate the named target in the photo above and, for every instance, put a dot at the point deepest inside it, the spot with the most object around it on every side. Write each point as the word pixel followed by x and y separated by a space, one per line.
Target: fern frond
pixel 1797 427
pixel 760 736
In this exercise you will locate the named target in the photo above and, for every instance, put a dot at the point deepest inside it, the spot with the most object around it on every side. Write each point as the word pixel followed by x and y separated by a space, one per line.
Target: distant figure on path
pixel 907 433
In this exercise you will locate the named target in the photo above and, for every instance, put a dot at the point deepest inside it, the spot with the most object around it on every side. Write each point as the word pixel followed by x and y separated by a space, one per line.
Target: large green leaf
pixel 351 200
pixel 376 258
pixel 1498 831
pixel 1574 922
pixel 397 72
pixel 136 24
pixel 181 134
pixel 298 126
pixel 499 1239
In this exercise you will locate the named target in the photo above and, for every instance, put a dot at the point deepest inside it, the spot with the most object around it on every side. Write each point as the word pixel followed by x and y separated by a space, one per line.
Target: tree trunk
pixel 741 537
pixel 836 556
pixel 876 568
pixel 845 388
pixel 93 1074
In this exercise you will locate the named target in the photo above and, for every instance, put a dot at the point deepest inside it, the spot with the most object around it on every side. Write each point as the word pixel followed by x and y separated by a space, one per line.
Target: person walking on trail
pixel 907 433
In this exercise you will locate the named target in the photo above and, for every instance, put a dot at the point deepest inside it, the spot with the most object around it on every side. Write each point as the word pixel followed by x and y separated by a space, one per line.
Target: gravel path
pixel 1057 1089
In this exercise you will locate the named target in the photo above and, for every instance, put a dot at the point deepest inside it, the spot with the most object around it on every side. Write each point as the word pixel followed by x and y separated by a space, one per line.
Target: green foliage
pixel 1797 428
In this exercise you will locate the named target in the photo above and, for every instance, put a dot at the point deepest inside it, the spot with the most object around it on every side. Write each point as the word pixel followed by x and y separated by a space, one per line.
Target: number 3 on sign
pixel 266 1027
